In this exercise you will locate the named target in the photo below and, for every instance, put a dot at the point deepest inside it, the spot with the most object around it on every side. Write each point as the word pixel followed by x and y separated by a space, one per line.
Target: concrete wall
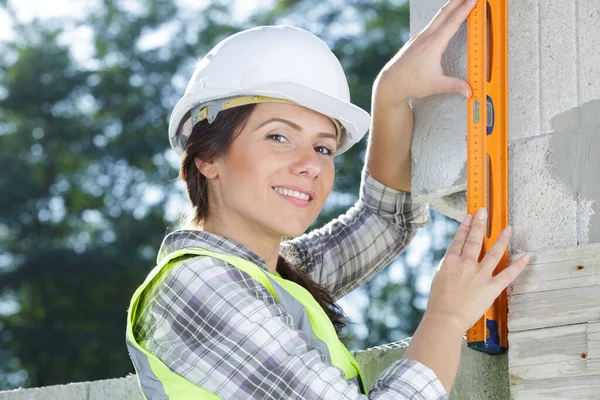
pixel 121 389
pixel 480 377
pixel 554 121
pixel 554 186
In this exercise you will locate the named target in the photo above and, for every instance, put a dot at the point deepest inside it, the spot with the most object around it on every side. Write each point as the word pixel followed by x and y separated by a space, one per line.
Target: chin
pixel 292 233
pixel 292 230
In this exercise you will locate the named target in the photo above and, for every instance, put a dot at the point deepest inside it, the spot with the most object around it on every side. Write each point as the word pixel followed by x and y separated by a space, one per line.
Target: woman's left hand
pixel 416 70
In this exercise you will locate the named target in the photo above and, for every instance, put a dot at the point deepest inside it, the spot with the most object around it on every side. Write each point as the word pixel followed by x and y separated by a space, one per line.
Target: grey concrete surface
pixel 480 377
pixel 121 389
pixel 439 143
pixel 555 178
pixel 553 90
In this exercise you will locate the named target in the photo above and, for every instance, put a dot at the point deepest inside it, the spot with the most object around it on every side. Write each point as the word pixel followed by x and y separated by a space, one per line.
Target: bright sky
pixel 80 38
pixel 43 9
pixel 31 9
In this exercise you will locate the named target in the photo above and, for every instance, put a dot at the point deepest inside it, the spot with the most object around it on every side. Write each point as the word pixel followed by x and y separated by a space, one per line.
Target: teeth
pixel 292 193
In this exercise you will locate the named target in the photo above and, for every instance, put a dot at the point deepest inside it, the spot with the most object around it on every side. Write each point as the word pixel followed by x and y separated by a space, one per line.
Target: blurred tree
pixel 82 210
pixel 87 176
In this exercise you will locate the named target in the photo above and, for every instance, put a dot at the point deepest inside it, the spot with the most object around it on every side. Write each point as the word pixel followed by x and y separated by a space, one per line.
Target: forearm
pixel 437 344
pixel 388 150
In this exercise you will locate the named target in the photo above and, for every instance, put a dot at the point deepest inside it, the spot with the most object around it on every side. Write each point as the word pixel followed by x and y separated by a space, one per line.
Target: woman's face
pixel 278 171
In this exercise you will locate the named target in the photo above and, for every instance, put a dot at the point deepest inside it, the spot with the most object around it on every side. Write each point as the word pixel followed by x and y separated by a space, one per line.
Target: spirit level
pixel 487 150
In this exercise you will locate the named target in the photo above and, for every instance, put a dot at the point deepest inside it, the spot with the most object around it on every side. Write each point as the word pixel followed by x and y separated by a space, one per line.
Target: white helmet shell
pixel 276 61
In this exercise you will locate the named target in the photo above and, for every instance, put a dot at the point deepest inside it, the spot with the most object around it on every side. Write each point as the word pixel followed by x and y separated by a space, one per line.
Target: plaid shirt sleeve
pixel 351 249
pixel 220 329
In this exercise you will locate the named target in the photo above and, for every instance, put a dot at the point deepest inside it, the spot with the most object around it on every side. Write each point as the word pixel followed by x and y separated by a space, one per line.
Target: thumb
pixel 455 86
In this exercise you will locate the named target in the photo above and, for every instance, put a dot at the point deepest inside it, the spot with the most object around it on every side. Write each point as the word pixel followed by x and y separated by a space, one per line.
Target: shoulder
pixel 206 279
pixel 197 269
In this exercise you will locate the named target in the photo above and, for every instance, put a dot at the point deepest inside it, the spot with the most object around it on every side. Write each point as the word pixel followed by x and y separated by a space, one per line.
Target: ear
pixel 208 169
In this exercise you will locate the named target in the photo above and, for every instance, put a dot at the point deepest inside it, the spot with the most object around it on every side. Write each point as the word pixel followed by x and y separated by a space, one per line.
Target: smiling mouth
pixel 292 193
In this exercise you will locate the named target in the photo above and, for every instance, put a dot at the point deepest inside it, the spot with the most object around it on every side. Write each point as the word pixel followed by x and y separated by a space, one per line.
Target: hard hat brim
pixel 353 118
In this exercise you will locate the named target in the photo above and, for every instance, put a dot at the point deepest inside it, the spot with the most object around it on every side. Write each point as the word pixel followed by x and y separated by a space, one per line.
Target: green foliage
pixel 86 177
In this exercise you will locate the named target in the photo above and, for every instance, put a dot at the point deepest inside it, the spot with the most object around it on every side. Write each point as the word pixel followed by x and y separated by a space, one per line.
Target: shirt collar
pixel 183 238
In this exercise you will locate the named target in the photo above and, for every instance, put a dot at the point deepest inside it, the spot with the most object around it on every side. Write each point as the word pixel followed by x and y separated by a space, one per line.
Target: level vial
pixel 476 112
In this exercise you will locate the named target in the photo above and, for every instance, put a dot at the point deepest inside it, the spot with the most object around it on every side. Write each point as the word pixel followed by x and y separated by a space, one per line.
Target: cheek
pixel 329 176
pixel 246 170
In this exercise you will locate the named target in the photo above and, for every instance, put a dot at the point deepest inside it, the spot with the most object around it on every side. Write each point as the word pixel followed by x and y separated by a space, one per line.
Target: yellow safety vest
pixel 157 381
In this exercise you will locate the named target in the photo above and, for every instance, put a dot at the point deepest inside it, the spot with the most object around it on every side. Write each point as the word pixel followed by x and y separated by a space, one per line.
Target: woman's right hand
pixel 464 288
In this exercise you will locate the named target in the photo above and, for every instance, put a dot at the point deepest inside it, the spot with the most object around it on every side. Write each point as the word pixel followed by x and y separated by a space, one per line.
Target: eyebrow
pixel 296 126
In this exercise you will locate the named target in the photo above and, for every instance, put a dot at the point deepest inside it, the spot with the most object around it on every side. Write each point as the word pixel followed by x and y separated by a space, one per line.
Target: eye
pixel 325 150
pixel 276 137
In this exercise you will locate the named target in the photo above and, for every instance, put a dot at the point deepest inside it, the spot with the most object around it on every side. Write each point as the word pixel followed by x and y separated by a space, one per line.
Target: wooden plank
pixel 559 352
pixel 580 388
pixel 560 269
pixel 546 346
pixel 549 256
pixel 549 353
pixel 553 308
pixel 561 283
pixel 564 369
pixel 554 326
pixel 559 287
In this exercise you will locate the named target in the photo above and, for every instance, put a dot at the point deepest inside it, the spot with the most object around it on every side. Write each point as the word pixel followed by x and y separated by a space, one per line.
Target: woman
pixel 233 312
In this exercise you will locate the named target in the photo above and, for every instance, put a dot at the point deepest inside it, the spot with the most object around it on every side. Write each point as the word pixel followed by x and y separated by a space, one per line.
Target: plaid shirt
pixel 218 327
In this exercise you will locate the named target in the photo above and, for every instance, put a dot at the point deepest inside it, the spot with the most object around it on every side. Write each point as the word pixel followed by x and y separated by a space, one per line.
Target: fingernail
pixel 468 219
pixel 507 231
pixel 481 213
pixel 526 258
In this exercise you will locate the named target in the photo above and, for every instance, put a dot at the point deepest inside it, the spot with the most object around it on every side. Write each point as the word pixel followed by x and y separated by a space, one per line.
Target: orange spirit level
pixel 487 149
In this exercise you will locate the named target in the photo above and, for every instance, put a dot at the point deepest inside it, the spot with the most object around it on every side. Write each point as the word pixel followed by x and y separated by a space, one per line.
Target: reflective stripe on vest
pixel 157 381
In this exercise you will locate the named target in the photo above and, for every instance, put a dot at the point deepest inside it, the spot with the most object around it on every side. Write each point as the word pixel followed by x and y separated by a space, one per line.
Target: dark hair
pixel 209 141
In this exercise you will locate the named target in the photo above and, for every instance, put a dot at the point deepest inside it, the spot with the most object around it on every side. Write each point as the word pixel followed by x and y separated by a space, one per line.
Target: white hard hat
pixel 269 63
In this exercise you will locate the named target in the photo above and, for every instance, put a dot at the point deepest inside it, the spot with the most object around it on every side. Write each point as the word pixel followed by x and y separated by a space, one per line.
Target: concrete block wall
pixel 480 377
pixel 554 186
pixel 118 389
pixel 554 109
pixel 439 140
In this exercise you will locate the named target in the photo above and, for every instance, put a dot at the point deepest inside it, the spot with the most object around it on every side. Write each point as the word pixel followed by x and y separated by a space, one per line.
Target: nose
pixel 307 163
